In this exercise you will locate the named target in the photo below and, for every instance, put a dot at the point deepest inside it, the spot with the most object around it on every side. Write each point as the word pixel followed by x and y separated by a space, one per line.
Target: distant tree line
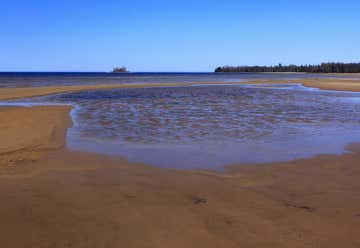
pixel 322 68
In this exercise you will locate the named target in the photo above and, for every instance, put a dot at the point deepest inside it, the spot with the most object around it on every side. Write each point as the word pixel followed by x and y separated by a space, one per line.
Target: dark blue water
pixel 31 79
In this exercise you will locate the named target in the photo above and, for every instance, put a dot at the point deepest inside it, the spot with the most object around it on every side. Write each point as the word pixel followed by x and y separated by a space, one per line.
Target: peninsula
pixel 322 68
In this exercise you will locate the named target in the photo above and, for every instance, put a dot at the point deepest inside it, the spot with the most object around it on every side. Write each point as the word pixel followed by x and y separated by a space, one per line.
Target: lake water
pixel 212 126
pixel 34 79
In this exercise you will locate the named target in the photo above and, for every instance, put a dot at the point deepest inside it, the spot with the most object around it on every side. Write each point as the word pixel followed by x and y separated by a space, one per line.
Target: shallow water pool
pixel 212 126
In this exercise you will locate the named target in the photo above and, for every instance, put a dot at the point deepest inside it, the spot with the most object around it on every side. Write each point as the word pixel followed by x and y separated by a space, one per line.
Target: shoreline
pixel 28 92
pixel 86 199
pixel 352 85
pixel 24 137
pixel 19 93
pixel 55 197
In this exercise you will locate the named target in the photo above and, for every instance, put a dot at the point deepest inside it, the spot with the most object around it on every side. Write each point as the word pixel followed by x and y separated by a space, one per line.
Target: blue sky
pixel 185 35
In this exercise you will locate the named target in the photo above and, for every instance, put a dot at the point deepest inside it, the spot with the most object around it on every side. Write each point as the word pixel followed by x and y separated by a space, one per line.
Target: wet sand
pixel 52 197
pixel 17 93
pixel 351 84
pixel 334 84
pixel 26 133
pixel 347 84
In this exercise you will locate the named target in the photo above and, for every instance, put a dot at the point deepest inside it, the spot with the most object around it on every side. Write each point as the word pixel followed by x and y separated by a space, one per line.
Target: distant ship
pixel 120 70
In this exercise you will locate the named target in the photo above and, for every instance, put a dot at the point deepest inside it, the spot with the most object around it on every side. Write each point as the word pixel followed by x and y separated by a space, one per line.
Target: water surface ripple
pixel 209 126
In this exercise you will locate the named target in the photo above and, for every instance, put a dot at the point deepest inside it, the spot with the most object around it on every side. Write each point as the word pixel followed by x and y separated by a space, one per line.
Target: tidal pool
pixel 208 127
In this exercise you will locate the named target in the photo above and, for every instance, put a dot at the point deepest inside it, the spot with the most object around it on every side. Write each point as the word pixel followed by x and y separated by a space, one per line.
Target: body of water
pixel 34 79
pixel 212 126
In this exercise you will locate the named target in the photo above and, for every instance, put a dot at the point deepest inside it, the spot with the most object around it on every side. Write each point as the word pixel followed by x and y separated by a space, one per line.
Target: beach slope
pixel 53 197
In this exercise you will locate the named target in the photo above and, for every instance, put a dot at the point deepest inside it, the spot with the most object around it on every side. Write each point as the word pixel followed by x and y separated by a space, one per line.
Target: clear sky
pixel 181 35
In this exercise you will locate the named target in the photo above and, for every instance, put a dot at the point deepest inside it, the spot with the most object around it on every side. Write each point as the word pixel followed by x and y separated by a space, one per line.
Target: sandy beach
pixel 53 197
pixel 350 84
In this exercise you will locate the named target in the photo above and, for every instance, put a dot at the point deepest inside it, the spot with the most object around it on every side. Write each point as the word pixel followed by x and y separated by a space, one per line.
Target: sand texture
pixel 349 84
pixel 53 197
pixel 26 133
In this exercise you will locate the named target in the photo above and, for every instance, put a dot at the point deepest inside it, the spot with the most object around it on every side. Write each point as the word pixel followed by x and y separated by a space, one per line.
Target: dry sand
pixel 53 197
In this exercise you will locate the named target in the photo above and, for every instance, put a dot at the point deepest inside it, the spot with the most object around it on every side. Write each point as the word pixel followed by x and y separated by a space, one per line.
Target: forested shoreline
pixel 322 68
